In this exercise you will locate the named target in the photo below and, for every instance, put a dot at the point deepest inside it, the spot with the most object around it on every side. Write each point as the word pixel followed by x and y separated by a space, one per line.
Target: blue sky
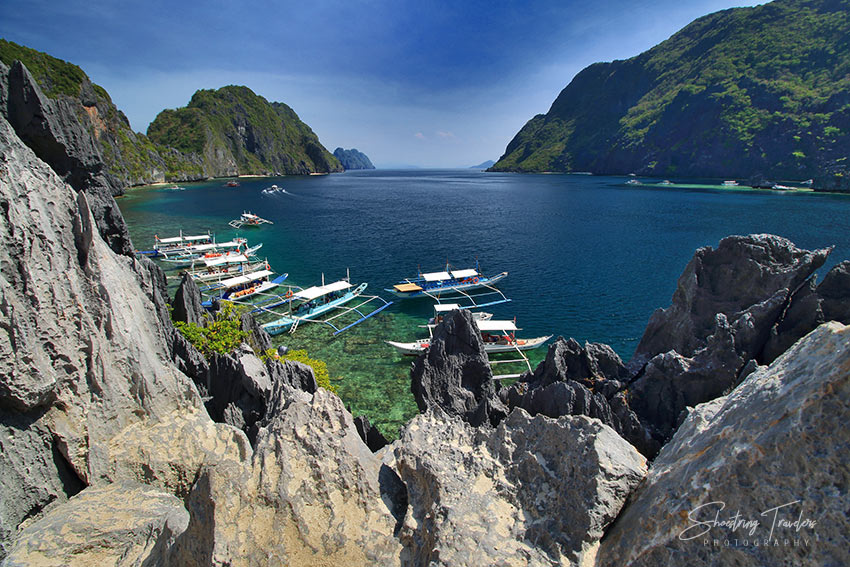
pixel 431 84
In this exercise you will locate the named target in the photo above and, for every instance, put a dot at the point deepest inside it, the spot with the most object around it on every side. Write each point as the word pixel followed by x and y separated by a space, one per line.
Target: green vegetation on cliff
pixel 235 131
pixel 224 132
pixel 741 92
pixel 54 76
pixel 129 158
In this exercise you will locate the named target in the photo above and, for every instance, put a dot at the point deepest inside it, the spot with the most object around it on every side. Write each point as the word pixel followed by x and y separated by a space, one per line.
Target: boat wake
pixel 275 190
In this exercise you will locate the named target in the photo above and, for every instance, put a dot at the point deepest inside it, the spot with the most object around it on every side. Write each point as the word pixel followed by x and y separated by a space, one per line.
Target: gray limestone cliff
pixel 773 451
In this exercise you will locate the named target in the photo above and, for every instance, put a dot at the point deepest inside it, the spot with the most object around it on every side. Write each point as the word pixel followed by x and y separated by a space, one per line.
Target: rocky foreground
pixel 120 444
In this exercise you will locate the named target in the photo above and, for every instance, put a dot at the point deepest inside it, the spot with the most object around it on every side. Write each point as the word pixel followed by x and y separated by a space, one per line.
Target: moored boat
pixel 498 336
pixel 223 267
pixel 450 281
pixel 308 305
pixel 247 220
pixel 176 244
pixel 230 249
pixel 440 310
pixel 241 287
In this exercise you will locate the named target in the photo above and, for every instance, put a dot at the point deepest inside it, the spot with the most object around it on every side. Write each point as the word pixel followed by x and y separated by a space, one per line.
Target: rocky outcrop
pixel 232 131
pixel 454 373
pixel 82 348
pixel 122 524
pixel 534 491
pixel 312 496
pixel 768 462
pixel 52 129
pixel 810 306
pixel 580 380
pixel 186 306
pixel 736 279
pixel 726 304
pixel 373 438
pixel 353 159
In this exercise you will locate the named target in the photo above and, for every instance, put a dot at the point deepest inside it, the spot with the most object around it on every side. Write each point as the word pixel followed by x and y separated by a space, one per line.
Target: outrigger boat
pixel 248 220
pixel 223 267
pixel 176 244
pixel 242 287
pixel 451 282
pixel 230 249
pixel 308 305
pixel 498 337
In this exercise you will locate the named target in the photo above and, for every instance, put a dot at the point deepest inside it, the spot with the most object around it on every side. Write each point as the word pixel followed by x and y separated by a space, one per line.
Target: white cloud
pixel 419 135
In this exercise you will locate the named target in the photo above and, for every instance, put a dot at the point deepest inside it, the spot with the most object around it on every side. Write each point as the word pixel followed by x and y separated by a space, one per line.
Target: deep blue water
pixel 588 257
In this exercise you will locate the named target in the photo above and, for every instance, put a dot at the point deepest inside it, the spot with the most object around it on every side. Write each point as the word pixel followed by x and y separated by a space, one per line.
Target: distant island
pixel 220 133
pixel 745 92
pixel 484 165
pixel 353 159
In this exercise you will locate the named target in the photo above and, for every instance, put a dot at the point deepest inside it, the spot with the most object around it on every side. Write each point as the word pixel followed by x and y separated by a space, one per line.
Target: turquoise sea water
pixel 588 257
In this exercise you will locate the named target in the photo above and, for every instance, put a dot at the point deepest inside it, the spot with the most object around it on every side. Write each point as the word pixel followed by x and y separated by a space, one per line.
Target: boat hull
pixel 418 347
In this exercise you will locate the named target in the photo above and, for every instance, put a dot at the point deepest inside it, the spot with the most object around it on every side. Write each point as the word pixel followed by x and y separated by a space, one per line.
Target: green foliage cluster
pixel 223 335
pixel 261 137
pixel 320 367
pixel 727 94
pixel 53 75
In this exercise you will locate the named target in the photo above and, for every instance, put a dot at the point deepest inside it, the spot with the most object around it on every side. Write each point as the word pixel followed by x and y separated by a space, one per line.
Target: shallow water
pixel 588 257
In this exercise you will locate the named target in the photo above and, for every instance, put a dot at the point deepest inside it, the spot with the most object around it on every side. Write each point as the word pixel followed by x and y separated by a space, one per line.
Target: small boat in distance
pixel 666 182
pixel 248 220
pixel 232 184
pixel 274 190
pixel 730 183
pixel 633 182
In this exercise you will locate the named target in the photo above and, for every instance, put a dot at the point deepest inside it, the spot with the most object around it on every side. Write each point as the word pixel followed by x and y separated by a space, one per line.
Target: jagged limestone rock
pixel 741 273
pixel 122 524
pixel 454 373
pixel 187 302
pixel 51 128
pixel 313 496
pixel 775 444
pixel 534 491
pixel 579 380
pixel 83 353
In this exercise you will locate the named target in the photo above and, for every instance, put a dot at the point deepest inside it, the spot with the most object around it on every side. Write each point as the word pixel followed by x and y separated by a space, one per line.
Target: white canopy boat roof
pixel 470 273
pixel 496 325
pixel 436 276
pixel 239 280
pixel 445 307
pixel 176 239
pixel 320 290
pixel 230 259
